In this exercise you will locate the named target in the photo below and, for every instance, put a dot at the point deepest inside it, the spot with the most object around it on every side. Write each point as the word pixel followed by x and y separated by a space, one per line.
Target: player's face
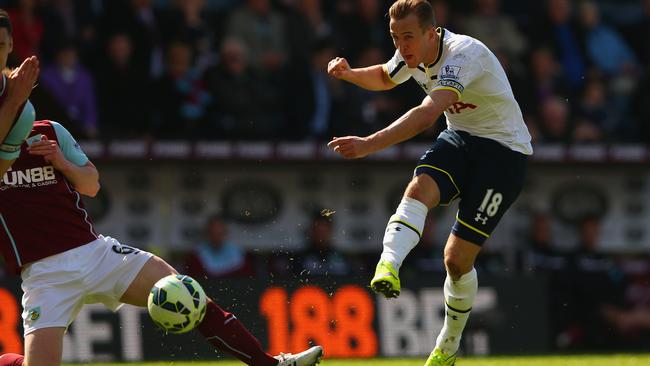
pixel 410 39
pixel 6 45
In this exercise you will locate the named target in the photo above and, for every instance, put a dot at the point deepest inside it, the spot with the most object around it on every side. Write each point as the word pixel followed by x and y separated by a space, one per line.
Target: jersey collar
pixel 4 84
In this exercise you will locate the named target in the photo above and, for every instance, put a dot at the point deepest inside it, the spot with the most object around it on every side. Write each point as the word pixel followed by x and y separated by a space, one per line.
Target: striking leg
pixel 403 232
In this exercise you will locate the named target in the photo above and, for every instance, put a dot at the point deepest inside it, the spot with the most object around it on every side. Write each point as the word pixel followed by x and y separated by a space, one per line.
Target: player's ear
pixel 431 32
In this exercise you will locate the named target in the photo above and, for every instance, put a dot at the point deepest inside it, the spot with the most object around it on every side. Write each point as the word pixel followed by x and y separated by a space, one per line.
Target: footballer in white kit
pixel 479 159
pixel 486 106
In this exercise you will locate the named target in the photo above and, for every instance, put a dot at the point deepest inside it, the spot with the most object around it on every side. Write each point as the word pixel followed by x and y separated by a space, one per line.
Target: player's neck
pixel 433 51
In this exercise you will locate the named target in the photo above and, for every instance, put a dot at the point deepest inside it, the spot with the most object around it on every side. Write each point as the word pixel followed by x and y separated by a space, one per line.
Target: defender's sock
pixel 459 298
pixel 226 333
pixel 11 359
pixel 404 230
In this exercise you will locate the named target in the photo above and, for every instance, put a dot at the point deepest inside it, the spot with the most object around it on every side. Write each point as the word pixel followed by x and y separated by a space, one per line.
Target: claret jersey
pixel 41 214
pixel 486 106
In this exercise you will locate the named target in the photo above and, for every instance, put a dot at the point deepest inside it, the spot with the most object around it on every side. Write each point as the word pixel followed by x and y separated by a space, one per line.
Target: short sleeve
pixel 70 148
pixel 458 71
pixel 396 69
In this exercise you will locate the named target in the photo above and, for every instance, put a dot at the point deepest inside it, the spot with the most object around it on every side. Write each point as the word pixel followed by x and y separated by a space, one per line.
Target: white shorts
pixel 55 288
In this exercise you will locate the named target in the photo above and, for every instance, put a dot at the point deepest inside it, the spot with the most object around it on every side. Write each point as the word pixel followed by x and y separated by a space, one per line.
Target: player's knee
pixel 161 267
pixel 456 265
pixel 424 189
pixel 155 269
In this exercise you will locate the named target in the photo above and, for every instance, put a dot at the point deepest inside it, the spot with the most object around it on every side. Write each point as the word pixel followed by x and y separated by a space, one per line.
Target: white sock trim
pixel 460 294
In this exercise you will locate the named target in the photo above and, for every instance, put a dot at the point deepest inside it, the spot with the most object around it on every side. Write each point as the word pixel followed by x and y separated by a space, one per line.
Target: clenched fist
pixel 338 67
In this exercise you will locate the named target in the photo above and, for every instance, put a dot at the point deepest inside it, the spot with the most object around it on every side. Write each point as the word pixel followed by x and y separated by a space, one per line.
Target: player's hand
pixel 21 80
pixel 351 147
pixel 339 68
pixel 50 151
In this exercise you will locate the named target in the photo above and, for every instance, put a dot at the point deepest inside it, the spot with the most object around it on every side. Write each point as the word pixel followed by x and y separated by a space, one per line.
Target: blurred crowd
pixel 256 69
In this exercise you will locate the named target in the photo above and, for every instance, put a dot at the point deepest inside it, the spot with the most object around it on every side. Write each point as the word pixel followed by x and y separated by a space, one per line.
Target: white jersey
pixel 486 106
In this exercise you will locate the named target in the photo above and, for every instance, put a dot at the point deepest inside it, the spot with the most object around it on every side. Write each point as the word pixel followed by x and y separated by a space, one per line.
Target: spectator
pixel 234 84
pixel 312 11
pixel 630 317
pixel 72 86
pixel 69 19
pixel 318 99
pixel 554 121
pixel 593 114
pixel 497 31
pixel 609 53
pixel 182 95
pixel 559 29
pixel 262 30
pixel 360 27
pixel 366 110
pixel 541 255
pixel 321 258
pixel 588 257
pixel 594 284
pixel 27 31
pixel 191 22
pixel 605 48
pixel 542 259
pixel 546 81
pixel 124 93
pixel 306 24
pixel 138 19
pixel 443 14
pixel 218 257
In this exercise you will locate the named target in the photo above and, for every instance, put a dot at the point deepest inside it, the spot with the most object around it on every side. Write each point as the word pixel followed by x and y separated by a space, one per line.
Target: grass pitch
pixel 573 360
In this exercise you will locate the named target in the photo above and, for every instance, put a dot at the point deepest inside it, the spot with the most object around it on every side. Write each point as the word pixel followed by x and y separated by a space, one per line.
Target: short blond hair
pixel 421 8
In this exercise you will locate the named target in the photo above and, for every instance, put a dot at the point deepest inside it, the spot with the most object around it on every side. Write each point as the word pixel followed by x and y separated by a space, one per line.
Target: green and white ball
pixel 177 303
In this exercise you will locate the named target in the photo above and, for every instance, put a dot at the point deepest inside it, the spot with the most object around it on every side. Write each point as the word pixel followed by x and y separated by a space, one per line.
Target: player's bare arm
pixel 371 77
pixel 410 124
pixel 85 179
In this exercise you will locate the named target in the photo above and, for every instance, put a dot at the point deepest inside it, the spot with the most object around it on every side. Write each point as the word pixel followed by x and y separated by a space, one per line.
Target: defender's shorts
pixel 485 175
pixel 55 288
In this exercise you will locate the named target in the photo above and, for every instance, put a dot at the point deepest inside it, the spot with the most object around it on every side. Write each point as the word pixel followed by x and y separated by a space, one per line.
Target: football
pixel 177 303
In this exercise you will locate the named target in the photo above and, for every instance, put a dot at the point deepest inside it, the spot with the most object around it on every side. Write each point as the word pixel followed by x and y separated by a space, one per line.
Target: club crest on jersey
pixel 33 314
pixel 450 72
